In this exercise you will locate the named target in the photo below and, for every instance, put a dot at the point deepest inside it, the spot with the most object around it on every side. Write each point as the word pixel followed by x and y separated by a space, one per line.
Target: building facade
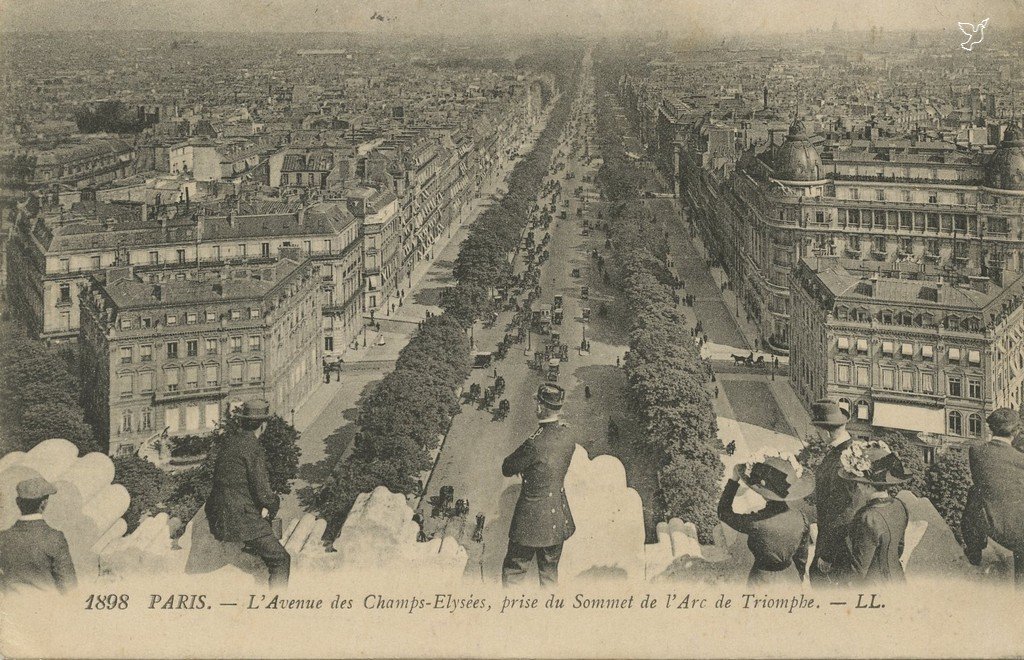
pixel 929 354
pixel 173 356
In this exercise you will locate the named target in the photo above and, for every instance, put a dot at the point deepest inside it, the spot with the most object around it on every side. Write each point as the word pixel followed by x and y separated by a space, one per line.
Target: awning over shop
pixel 909 418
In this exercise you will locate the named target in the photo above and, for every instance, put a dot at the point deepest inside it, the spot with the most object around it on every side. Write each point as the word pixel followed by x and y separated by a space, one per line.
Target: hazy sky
pixel 710 17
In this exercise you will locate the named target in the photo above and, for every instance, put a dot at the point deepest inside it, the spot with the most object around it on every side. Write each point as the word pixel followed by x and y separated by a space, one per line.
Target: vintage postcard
pixel 511 328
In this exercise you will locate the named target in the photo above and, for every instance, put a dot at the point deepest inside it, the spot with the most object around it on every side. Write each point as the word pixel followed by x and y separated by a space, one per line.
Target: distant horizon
pixel 683 18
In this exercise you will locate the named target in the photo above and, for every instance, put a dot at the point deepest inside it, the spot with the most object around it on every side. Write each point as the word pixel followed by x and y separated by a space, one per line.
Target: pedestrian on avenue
pixel 32 554
pixel 876 534
pixel 836 500
pixel 241 490
pixel 995 503
pixel 777 536
pixel 542 520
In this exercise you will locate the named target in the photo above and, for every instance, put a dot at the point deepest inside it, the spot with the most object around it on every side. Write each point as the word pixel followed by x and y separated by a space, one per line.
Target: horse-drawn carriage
pixel 749 360
pixel 553 366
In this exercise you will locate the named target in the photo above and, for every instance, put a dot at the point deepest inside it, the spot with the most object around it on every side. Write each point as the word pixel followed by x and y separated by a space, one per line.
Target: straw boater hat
pixel 550 396
pixel 871 462
pixel 254 411
pixel 778 479
pixel 827 414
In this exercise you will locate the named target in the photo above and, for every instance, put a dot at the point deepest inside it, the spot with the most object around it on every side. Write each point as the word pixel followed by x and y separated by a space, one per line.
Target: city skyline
pixel 689 18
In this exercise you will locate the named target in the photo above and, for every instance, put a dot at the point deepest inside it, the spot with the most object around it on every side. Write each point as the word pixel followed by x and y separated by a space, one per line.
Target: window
pixel 255 372
pixel 974 424
pixel 146 381
pixel 955 386
pixel 172 418
pixel 65 265
pixel 126 421
pixel 124 384
pixel 907 350
pixel 241 249
pixel 887 346
pixel 211 346
pixel 880 194
pixel 171 379
pixel 878 244
pixel 956 423
pixel 961 198
pixel 235 373
pixel 327 245
pixel 172 319
pixel 146 353
pixel 192 377
pixel 843 373
pixel 211 412
pixel 974 357
pixel 819 217
pixel 65 293
pixel 147 322
pixel 854 193
pixel 907 381
pixel 216 253
pixel 126 324
pixel 181 256
pixel 212 375
pixel 862 345
pixel 211 317
pixel 863 375
pixel 147 420
pixel 254 313
pixel 236 344
pixel 126 355
pixel 954 354
pixel 928 382
pixel 928 352
pixel 172 349
pixel 96 263
pixel 908 196
pixel 265 249
pixel 844 405
pixel 154 257
pixel 863 411
pixel 254 343
pixel 309 247
pixel 888 379
pixel 191 318
pixel 974 388
pixel 843 343
pixel 933 198
pixel 236 314
pixel 192 347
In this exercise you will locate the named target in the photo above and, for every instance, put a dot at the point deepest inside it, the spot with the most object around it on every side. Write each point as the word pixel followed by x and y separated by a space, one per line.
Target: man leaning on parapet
pixel 241 491
pixel 33 554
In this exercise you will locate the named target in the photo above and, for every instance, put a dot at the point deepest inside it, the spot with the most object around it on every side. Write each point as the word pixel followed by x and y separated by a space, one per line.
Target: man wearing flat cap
pixel 32 553
pixel 836 501
pixel 542 520
pixel 241 491
pixel 995 503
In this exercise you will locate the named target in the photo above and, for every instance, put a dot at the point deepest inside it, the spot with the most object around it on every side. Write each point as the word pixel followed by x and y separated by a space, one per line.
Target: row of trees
pixel 39 395
pixel 666 375
pixel 408 413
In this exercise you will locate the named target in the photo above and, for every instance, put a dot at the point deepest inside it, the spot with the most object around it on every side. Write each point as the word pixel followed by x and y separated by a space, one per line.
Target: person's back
pixel 997 470
pixel 876 540
pixel 34 554
pixel 239 490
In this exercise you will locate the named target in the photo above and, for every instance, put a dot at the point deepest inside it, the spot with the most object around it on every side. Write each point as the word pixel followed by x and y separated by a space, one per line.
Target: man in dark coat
pixel 835 499
pixel 241 490
pixel 542 520
pixel 32 553
pixel 995 503
pixel 878 530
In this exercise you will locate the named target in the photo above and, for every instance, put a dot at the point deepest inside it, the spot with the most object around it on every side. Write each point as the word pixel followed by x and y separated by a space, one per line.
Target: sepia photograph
pixel 511 328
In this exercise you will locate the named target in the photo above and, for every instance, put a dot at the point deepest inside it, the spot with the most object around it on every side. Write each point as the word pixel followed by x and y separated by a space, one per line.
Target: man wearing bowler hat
pixel 542 520
pixel 995 503
pixel 32 553
pixel 241 491
pixel 835 499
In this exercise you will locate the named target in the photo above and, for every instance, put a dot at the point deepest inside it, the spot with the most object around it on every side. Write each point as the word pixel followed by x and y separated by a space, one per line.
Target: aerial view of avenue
pixel 516 310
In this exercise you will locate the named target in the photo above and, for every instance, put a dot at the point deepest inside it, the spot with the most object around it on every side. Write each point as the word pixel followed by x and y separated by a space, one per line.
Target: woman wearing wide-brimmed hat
pixel 777 535
pixel 877 532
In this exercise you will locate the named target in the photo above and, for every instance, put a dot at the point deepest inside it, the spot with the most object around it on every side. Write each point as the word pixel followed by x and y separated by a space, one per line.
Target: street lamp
pixel 293 416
